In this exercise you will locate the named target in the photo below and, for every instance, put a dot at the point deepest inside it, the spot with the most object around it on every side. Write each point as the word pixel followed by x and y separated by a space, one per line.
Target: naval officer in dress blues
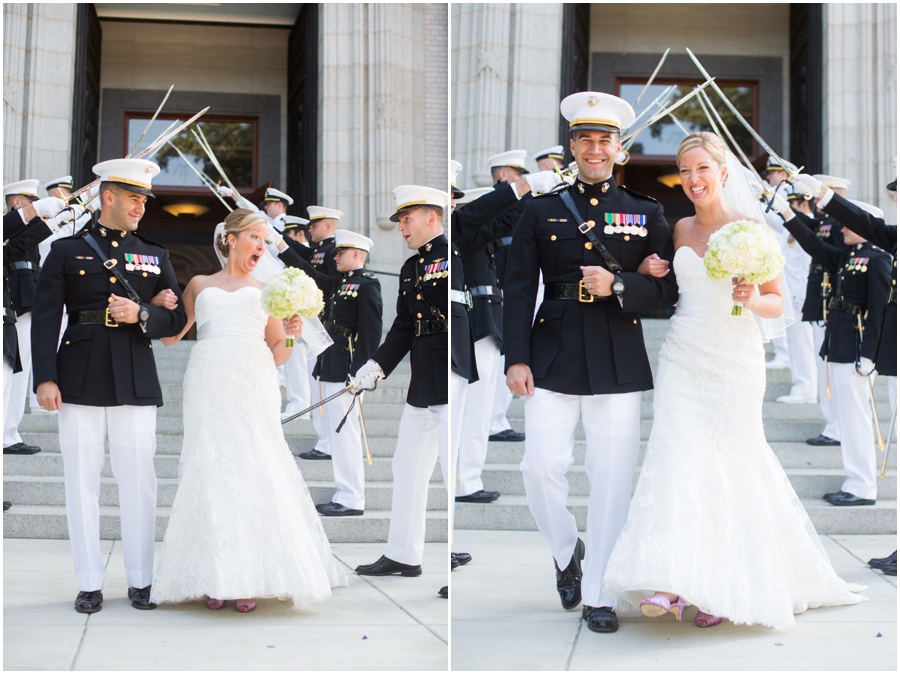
pixel 582 357
pixel 421 330
pixel 102 376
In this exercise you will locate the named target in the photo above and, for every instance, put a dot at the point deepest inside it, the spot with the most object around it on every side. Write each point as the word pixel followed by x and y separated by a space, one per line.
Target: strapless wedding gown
pixel 714 517
pixel 243 523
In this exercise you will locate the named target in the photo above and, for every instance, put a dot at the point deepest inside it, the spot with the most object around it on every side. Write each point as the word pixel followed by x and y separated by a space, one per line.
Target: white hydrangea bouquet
pixel 744 249
pixel 292 292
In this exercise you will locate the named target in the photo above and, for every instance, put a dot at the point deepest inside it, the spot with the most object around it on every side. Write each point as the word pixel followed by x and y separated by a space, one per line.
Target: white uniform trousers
pixel 423 438
pixel 782 350
pixel 826 405
pixel 850 394
pixel 131 434
pixel 15 401
pixel 612 425
pixel 473 444
pixel 346 448
pixel 459 389
pixel 7 379
pixel 297 380
pixel 801 352
pixel 502 399
pixel 317 392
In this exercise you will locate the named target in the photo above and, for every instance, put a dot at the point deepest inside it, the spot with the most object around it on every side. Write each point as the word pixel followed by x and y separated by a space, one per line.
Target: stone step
pixel 50 464
pixel 43 490
pixel 511 513
pixel 173 392
pixel 790 454
pixel 807 482
pixel 50 522
pixel 175 375
pixel 372 410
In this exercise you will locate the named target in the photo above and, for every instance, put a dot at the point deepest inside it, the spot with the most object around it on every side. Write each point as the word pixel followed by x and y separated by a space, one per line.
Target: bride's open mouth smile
pixel 254 259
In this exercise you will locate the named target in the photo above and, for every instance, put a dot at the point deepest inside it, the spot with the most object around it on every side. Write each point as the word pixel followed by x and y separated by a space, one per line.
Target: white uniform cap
pixel 134 175
pixel 65 181
pixel 412 196
pixel 319 213
pixel 27 188
pixel 555 152
pixel 455 168
pixel 344 238
pixel 869 208
pixel 293 222
pixel 513 159
pixel 472 195
pixel 276 195
pixel 832 181
pixel 596 111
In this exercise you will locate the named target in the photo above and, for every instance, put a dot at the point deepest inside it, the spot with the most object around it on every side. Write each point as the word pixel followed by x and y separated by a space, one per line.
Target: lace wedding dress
pixel 714 517
pixel 243 524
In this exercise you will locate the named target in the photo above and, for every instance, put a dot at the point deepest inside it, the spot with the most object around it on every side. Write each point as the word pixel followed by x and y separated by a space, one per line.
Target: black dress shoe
pixel 879 562
pixel 509 435
pixel 315 455
pixel 89 602
pixel 454 562
pixel 140 598
pixel 823 441
pixel 845 499
pixel 444 592
pixel 385 567
pixel 568 581
pixel 890 569
pixel 7 505
pixel 332 509
pixel 461 557
pixel 21 448
pixel 480 496
pixel 834 493
pixel 602 619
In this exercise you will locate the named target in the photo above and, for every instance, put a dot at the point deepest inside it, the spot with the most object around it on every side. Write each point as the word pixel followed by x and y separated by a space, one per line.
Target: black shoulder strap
pixel 587 230
pixel 111 266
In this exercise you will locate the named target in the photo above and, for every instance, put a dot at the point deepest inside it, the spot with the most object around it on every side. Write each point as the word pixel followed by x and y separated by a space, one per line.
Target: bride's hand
pixel 744 293
pixel 165 298
pixel 293 327
pixel 655 266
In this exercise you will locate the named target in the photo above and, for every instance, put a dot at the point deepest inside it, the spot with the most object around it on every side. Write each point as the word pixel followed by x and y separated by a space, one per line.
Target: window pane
pixel 231 142
pixel 664 137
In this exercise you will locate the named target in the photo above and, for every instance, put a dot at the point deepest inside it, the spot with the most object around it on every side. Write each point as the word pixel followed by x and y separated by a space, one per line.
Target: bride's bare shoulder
pixel 682 227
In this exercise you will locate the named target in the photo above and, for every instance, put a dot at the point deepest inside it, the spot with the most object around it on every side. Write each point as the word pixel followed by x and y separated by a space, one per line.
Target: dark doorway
pixel 302 131
pixel 86 103
pixel 806 86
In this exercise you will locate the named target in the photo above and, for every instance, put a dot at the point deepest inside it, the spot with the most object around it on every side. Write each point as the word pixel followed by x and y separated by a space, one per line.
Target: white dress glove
pixel 274 238
pixel 48 207
pixel 223 191
pixel 756 188
pixel 807 185
pixel 368 374
pixel 543 181
pixel 866 365
pixel 91 199
pixel 781 206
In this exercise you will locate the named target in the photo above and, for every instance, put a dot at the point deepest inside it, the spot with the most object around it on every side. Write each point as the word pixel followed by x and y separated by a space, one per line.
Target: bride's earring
pixel 724 179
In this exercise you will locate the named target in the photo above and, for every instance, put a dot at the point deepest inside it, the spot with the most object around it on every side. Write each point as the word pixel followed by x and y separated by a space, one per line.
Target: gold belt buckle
pixel 584 296
pixel 107 319
pixel 419 324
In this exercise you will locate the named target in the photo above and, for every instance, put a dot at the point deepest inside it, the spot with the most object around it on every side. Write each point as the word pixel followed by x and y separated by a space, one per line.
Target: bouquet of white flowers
pixel 291 292
pixel 744 249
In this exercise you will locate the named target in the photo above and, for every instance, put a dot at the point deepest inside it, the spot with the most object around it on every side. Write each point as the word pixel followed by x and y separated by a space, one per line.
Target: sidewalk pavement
pixel 389 623
pixel 506 616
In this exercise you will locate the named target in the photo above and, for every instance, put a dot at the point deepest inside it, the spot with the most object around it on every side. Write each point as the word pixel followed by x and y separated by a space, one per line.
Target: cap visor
pixel 892 186
pixel 594 127
pixel 457 193
pixel 135 188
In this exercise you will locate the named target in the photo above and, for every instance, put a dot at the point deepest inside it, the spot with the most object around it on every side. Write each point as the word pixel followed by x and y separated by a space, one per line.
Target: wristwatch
pixel 618 285
pixel 143 314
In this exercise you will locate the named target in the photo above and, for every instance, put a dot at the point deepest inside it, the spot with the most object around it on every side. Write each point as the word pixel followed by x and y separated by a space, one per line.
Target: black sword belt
pixel 335 329
pixel 18 266
pixel 486 291
pixel 98 317
pixel 430 326
pixel 8 313
pixel 846 307
pixel 500 243
pixel 571 291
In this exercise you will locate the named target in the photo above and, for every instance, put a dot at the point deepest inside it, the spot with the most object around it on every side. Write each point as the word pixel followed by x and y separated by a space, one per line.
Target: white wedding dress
pixel 243 524
pixel 714 517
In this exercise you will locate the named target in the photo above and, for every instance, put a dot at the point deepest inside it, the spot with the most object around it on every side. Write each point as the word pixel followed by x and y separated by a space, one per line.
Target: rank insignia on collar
pixel 580 188
pixel 427 247
pixel 604 188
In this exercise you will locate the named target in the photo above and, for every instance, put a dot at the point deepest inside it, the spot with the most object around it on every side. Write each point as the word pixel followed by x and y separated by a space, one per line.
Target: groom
pixel 583 358
pixel 102 375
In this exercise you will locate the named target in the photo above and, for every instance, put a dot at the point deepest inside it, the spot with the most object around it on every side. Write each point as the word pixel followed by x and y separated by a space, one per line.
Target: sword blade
pixel 652 77
pixel 205 179
pixel 890 438
pixel 348 389
pixel 681 101
pixel 152 119
pixel 656 102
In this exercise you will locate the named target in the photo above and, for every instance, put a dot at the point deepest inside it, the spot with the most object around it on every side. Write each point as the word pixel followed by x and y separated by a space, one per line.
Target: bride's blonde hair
pixel 239 220
pixel 708 141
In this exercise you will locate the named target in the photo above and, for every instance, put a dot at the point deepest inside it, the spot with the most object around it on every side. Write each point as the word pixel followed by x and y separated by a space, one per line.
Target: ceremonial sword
pixel 152 119
pixel 887 449
pixel 205 179
pixel 652 77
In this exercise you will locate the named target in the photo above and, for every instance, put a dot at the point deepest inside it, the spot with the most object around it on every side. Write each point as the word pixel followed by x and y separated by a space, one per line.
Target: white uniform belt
pixel 461 297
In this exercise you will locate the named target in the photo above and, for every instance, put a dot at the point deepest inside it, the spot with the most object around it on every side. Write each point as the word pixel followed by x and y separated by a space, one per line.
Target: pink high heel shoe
pixel 245 605
pixel 708 619
pixel 214 604
pixel 657 605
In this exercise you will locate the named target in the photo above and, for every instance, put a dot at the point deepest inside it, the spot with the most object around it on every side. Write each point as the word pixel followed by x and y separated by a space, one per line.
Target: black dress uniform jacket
pixel 320 255
pixel 876 231
pixel 421 310
pixel 10 335
pixel 96 365
pixel 862 278
pixel 355 304
pixel 573 347
pixel 22 248
pixel 499 247
pixel 465 222
pixel 829 230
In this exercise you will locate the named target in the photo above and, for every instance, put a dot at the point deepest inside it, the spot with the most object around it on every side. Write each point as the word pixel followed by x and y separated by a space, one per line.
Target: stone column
pixel 860 83
pixel 505 65
pixel 38 71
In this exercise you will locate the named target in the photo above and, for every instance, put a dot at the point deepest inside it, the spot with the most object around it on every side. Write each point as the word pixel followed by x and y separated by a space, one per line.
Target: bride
pixel 714 520
pixel 243 525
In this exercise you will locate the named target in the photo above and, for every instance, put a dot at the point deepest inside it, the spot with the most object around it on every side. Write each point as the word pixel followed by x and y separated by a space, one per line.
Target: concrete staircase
pixel 813 471
pixel 35 483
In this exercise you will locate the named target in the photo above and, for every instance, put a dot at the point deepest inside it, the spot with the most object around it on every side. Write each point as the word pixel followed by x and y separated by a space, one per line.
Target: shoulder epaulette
pixel 638 194
pixel 554 192
pixel 368 274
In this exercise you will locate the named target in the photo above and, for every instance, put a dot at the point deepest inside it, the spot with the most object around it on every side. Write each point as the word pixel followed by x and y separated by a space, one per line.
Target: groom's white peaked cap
pixel 596 111
pixel 869 208
pixel 344 238
pixel 319 213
